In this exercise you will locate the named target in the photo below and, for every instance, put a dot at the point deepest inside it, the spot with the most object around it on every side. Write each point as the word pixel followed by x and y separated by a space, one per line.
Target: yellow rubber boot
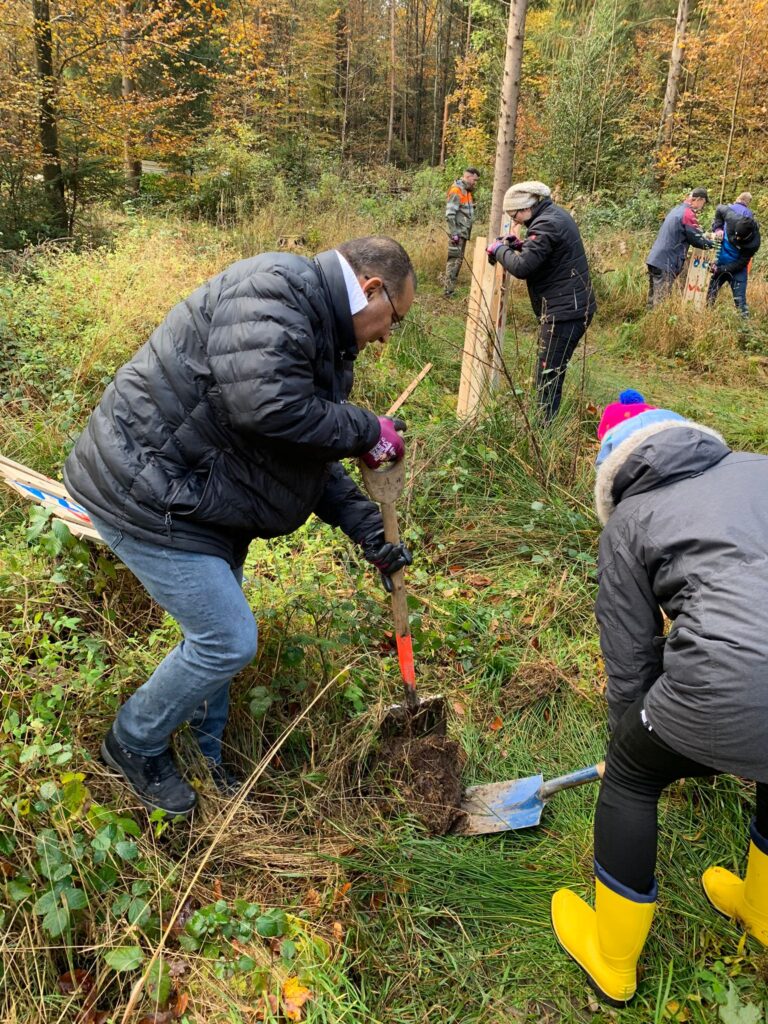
pixel 605 942
pixel 744 900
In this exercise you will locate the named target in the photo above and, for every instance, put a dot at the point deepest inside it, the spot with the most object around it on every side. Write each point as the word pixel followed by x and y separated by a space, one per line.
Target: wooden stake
pixel 408 391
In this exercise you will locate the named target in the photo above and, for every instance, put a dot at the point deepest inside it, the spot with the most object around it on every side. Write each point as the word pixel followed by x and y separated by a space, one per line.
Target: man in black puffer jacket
pixel 228 425
pixel 552 262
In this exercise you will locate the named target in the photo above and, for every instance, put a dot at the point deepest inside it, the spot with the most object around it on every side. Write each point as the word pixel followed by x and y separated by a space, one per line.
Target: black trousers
pixel 557 343
pixel 638 767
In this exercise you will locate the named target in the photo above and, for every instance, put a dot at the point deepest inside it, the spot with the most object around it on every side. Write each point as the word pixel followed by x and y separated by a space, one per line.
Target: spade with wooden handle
pixel 416 715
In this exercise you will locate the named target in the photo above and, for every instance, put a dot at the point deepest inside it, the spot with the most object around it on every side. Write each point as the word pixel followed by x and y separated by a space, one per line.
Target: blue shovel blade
pixel 501 806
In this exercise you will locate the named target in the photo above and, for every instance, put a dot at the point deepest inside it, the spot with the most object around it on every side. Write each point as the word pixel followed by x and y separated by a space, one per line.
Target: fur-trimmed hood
pixel 645 461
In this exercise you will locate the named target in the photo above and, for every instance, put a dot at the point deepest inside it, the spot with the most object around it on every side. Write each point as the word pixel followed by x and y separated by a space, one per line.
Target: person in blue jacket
pixel 736 226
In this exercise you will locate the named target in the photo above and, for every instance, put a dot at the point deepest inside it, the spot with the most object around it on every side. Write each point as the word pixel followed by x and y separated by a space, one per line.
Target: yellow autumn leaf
pixel 294 996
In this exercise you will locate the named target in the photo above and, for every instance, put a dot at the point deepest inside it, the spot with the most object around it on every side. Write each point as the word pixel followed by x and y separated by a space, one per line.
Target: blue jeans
pixel 204 594
pixel 738 283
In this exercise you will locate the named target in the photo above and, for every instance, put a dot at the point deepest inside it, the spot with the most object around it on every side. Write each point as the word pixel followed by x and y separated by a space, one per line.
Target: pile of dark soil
pixel 426 771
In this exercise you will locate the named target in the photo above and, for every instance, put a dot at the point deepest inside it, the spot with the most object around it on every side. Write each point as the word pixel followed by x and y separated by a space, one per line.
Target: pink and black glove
pixel 390 447
pixel 455 239
pixel 493 249
pixel 387 558
pixel 514 242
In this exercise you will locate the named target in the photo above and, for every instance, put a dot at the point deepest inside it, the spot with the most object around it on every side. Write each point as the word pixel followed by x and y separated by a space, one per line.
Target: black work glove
pixel 387 558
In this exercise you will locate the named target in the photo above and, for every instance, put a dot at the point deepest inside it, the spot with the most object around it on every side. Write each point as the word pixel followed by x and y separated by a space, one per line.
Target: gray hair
pixel 379 256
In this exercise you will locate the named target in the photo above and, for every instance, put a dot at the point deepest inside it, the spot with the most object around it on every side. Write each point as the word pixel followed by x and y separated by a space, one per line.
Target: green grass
pixel 386 924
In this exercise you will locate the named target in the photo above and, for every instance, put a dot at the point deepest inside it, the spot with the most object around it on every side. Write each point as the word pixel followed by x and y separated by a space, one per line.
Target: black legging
pixel 638 767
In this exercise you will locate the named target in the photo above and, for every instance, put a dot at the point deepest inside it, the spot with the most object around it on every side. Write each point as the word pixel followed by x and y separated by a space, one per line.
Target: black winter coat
pixel 687 533
pixel 227 424
pixel 554 266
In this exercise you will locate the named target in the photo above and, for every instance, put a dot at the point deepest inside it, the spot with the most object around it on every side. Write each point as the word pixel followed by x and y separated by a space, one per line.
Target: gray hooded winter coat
pixel 686 532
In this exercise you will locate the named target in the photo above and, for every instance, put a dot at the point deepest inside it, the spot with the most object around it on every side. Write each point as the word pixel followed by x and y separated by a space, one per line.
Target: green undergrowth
pixel 321 896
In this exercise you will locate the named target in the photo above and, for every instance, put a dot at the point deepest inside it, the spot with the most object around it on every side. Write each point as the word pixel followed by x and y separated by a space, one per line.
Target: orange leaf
pixel 217 893
pixel 312 899
pixel 338 931
pixel 180 1004
pixel 294 996
pixel 479 581
pixel 459 708
pixel 496 724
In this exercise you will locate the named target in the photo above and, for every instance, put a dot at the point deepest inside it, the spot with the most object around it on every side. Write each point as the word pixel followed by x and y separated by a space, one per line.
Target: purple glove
pixel 514 242
pixel 390 447
pixel 455 239
pixel 492 249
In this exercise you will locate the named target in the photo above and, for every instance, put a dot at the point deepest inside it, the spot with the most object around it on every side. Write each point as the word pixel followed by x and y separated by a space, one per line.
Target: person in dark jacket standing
pixel 685 533
pixel 552 262
pixel 227 425
pixel 666 259
pixel 459 217
pixel 739 233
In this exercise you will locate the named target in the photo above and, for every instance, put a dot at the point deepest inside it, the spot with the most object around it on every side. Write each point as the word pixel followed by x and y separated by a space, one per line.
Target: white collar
pixel 355 294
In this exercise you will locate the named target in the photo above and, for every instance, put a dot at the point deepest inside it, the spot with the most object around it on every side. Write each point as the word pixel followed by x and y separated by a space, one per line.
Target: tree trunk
pixel 510 93
pixel 667 123
pixel 131 166
pixel 391 123
pixel 49 133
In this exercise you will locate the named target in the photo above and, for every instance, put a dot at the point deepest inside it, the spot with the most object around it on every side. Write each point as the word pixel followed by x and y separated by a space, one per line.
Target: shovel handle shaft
pixel 579 778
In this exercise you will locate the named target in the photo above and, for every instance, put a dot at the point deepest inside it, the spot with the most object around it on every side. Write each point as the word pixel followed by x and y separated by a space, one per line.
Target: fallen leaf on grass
pixel 496 724
pixel 478 580
pixel 337 928
pixel 340 896
pixel 180 1004
pixel 260 1009
pixel 217 893
pixel 312 899
pixel 459 708
pixel 294 996
pixel 7 870
pixel 158 1017
pixel 74 980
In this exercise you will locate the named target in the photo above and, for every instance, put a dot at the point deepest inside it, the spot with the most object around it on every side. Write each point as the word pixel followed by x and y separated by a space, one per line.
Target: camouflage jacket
pixel 459 210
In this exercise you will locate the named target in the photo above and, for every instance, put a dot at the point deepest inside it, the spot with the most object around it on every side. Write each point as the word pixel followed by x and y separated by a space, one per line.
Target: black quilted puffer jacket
pixel 228 423
pixel 554 266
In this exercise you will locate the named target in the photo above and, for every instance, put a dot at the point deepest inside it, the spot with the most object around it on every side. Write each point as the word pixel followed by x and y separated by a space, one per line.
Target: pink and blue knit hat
pixel 623 418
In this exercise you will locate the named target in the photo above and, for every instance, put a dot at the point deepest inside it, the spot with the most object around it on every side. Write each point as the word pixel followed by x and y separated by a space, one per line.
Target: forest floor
pixel 323 896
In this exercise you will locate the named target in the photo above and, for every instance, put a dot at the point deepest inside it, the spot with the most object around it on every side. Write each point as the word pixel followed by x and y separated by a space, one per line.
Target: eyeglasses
pixel 397 320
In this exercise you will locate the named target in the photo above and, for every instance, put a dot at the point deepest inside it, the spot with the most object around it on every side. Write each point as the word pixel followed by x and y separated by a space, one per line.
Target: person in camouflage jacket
pixel 459 215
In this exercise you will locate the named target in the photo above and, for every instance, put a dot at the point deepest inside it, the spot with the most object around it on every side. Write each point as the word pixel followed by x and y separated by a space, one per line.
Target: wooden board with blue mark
pixel 49 493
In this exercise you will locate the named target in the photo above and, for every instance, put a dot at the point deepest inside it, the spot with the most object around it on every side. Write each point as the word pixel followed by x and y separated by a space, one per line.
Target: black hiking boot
pixel 154 780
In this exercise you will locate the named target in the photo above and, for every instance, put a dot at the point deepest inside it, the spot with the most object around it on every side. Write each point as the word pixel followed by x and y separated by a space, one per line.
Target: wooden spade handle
pixel 385 485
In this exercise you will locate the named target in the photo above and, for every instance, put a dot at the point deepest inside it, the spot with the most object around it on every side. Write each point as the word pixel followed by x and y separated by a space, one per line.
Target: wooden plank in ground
pixel 470 382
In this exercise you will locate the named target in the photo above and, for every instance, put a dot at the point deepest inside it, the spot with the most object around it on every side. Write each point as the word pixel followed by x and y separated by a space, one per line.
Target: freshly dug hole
pixel 427 773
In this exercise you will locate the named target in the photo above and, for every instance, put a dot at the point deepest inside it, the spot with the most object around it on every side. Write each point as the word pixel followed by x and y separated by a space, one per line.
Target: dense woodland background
pixel 248 102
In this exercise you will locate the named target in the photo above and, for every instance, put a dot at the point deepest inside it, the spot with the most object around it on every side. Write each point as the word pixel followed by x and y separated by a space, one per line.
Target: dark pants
pixel 738 283
pixel 557 343
pixel 453 266
pixel 660 284
pixel 638 767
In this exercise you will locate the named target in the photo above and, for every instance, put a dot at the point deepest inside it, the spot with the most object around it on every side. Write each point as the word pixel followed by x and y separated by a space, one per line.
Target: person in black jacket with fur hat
pixel 227 425
pixel 553 263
